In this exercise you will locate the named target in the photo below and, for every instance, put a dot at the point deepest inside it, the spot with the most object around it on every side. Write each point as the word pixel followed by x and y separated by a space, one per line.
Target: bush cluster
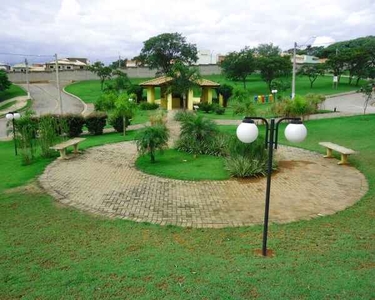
pixel 299 106
pixel 95 122
pixel 148 106
pixel 215 107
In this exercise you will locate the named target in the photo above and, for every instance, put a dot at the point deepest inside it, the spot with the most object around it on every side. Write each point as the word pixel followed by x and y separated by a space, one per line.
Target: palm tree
pixel 152 138
pixel 184 78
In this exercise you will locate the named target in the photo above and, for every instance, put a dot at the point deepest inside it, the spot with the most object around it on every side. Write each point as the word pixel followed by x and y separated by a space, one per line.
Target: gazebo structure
pixel 169 102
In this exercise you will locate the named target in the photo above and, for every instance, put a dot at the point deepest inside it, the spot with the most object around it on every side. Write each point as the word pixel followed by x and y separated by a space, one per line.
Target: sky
pixel 105 29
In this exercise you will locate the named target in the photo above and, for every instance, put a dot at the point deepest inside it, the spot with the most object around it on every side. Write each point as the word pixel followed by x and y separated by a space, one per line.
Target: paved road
pixel 352 103
pixel 45 101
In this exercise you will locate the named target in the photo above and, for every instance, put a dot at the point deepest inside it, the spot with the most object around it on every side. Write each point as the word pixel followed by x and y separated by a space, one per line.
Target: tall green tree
pixel 151 139
pixel 312 71
pixel 226 91
pixel 267 50
pixel 161 51
pixel 4 81
pixel 238 65
pixel 336 63
pixel 184 78
pixel 272 67
pixel 101 71
pixel 120 63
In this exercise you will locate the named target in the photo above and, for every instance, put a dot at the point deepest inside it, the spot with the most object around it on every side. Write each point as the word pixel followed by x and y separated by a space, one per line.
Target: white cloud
pixel 101 29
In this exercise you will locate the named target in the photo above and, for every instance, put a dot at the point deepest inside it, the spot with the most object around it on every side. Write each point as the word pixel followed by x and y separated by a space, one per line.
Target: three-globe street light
pixel 247 132
pixel 13 115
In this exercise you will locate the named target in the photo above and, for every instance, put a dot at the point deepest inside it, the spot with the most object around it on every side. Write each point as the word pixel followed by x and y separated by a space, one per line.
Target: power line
pixel 29 55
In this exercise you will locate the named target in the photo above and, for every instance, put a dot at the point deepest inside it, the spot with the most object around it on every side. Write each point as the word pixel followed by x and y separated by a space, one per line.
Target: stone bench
pixel 62 147
pixel 345 152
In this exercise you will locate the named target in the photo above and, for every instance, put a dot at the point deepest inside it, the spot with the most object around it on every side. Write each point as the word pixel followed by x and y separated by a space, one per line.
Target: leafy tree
pixel 101 71
pixel 312 71
pixel 368 93
pixel 161 51
pixel 137 90
pixel 336 63
pixel 226 91
pixel 272 67
pixel 122 81
pixel 4 81
pixel 239 65
pixel 106 102
pixel 267 50
pixel 152 138
pixel 125 109
pixel 184 78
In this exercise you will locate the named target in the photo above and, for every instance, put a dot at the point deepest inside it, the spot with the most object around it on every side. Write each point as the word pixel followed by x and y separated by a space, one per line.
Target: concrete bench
pixel 62 147
pixel 345 152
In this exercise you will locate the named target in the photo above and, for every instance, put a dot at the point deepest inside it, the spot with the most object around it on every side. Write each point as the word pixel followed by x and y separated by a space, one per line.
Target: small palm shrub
pixel 247 160
pixel 96 122
pixel 197 135
pixel 183 114
pixel 152 138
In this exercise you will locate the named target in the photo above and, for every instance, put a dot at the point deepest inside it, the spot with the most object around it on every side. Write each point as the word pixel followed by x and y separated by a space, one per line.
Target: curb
pixel 341 94
pixel 74 96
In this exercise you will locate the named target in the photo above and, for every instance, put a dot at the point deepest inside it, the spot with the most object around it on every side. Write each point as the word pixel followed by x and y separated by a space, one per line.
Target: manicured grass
pixel 13 91
pixel 7 105
pixel 180 165
pixel 53 252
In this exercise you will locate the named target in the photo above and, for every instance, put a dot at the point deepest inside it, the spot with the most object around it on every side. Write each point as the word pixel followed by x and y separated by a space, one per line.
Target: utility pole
pixel 119 60
pixel 294 71
pixel 27 78
pixel 58 85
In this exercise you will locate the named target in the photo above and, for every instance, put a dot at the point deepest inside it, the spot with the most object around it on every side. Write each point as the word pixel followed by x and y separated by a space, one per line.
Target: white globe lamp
pixel 247 132
pixel 295 132
pixel 16 115
pixel 9 116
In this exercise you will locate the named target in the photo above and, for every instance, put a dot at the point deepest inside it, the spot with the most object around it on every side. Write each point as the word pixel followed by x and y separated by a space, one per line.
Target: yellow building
pixel 167 99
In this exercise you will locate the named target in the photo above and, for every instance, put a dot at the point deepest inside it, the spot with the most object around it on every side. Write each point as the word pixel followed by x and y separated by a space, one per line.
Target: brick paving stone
pixel 105 181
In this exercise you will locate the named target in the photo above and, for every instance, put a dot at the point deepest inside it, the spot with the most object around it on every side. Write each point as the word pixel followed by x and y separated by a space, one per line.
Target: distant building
pixel 132 63
pixel 220 58
pixel 21 67
pixel 68 64
pixel 5 67
pixel 206 57
pixel 303 59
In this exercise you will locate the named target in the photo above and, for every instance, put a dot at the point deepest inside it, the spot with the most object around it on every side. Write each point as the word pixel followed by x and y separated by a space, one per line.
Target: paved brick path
pixel 104 181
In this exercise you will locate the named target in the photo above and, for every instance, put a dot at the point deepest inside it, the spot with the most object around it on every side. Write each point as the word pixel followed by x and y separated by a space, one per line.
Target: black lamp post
pixel 247 132
pixel 13 115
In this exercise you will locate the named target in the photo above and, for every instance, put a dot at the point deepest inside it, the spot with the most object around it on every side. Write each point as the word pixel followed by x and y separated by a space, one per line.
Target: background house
pixel 5 67
pixel 68 64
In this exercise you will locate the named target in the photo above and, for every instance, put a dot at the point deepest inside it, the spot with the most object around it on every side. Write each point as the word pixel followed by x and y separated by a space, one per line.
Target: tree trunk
pixel 101 84
pixel 350 79
pixel 357 82
pixel 124 125
pixel 184 100
pixel 152 154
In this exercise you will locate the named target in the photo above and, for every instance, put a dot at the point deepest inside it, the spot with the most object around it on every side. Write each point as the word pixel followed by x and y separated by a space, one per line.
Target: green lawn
pixel 89 91
pixel 13 91
pixel 180 165
pixel 7 105
pixel 49 251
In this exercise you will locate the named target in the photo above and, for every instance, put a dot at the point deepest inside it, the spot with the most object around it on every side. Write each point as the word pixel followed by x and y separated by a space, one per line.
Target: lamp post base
pixel 269 253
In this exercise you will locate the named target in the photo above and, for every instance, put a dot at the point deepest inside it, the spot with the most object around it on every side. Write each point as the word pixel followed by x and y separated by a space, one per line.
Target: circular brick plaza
pixel 105 181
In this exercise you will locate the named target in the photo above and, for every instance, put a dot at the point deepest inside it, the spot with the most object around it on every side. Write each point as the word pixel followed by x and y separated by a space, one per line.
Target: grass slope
pixel 54 252
pixel 180 165
pixel 13 91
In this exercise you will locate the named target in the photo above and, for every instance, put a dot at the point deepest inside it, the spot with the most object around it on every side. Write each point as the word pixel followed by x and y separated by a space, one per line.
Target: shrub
pixel 183 114
pixel 49 131
pixel 159 117
pixel 220 110
pixel 148 106
pixel 239 95
pixel 117 122
pixel 299 106
pixel 205 107
pixel 152 138
pixel 96 122
pixel 243 108
pixel 106 101
pixel 315 100
pixel 74 124
pixel 197 135
pixel 247 160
